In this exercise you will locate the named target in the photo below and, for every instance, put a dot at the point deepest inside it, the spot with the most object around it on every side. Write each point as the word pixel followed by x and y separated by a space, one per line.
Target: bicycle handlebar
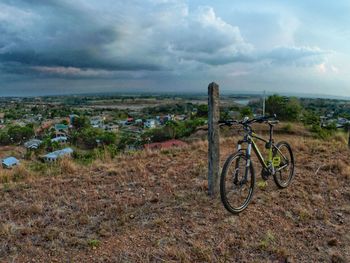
pixel 247 122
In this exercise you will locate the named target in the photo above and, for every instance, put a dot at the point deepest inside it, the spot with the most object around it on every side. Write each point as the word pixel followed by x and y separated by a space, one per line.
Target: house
pixel 342 121
pixel 9 162
pixel 150 123
pixel 164 119
pixel 138 122
pixel 54 156
pixel 167 118
pixel 39 117
pixel 60 139
pixel 111 127
pixel 45 125
pixel 19 123
pixel 95 123
pixel 61 127
pixel 33 144
pixel 181 117
pixel 165 145
pixel 123 123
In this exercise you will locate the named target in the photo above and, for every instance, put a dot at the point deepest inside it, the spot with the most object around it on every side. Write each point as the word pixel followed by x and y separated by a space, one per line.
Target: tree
pixel 246 112
pixel 275 105
pixel 80 122
pixel 19 134
pixel 292 110
pixel 89 137
pixel 4 138
pixel 285 109
pixel 129 138
pixel 202 110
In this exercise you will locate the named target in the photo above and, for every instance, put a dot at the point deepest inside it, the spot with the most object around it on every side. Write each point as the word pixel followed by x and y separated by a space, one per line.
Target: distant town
pixel 45 129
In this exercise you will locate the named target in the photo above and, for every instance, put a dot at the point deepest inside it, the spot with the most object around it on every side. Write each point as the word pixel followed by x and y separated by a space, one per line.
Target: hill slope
pixel 153 207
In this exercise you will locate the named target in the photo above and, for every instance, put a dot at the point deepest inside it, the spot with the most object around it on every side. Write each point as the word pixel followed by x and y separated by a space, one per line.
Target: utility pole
pixel 264 98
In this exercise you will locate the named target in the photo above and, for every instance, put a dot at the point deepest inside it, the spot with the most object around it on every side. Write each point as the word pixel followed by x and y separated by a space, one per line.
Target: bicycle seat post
pixel 271 132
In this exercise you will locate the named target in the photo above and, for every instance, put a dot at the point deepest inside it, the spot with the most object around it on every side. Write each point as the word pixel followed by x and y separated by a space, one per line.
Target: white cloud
pixel 326 68
pixel 297 56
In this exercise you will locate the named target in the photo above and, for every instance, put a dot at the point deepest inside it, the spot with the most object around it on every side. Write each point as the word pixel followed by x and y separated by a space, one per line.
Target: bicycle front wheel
pixel 237 183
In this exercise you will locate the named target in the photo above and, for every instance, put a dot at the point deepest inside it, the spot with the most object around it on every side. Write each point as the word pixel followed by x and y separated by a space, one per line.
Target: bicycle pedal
pixel 265 174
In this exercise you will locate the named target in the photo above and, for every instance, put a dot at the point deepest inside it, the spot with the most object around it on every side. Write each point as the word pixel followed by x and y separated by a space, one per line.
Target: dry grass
pixel 67 166
pixel 17 173
pixel 153 207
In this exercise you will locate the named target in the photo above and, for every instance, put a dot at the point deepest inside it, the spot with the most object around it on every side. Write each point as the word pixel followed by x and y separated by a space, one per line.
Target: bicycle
pixel 279 164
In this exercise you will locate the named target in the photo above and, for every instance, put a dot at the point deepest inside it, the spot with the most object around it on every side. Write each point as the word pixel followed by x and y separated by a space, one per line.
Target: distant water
pixel 242 101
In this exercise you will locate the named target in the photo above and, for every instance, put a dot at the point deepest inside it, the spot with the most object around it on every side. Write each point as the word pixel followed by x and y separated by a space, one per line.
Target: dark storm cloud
pixel 70 58
pixel 61 35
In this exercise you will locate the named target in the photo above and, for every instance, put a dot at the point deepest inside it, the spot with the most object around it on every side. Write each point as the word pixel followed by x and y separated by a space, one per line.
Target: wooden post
pixel 213 139
pixel 347 129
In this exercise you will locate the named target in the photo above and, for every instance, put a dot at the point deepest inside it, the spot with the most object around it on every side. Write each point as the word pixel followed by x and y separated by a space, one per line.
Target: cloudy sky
pixel 80 46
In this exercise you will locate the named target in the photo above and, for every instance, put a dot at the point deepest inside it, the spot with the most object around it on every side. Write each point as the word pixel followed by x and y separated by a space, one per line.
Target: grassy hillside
pixel 153 207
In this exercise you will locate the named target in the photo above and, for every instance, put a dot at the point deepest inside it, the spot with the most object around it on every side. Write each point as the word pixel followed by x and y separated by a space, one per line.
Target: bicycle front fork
pixel 247 165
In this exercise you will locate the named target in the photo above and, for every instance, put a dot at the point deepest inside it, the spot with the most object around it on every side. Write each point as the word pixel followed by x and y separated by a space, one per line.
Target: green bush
pixel 310 118
pixel 112 150
pixel 323 133
pixel 158 134
pixel 84 157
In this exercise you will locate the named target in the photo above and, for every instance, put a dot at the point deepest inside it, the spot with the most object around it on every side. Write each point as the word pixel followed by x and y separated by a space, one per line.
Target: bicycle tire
pixel 291 165
pixel 223 194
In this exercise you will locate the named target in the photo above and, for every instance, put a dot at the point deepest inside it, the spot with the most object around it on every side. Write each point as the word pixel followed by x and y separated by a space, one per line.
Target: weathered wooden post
pixel 347 129
pixel 213 139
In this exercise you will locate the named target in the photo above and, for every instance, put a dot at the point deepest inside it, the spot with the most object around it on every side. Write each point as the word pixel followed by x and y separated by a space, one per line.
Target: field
pixel 154 207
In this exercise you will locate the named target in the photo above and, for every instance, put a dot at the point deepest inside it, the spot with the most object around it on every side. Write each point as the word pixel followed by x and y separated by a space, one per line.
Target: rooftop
pixel 10 161
pixel 59 153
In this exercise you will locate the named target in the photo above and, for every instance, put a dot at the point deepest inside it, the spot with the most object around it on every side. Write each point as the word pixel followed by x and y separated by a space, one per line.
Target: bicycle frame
pixel 249 139
pixel 257 151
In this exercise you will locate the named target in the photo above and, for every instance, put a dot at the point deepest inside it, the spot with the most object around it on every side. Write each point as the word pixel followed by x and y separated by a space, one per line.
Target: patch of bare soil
pixel 154 207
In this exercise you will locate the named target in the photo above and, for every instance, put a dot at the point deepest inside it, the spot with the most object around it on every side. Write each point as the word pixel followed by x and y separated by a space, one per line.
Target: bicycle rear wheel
pixel 236 187
pixel 285 169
